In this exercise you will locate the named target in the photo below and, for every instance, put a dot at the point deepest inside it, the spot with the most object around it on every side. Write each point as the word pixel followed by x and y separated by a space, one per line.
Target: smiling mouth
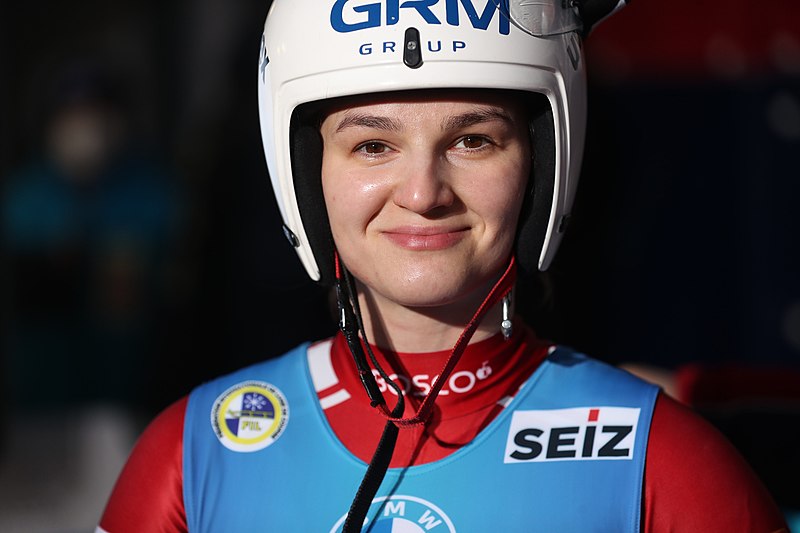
pixel 426 239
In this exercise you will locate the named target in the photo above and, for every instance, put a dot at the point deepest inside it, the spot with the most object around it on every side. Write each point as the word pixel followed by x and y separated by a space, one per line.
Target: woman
pixel 423 154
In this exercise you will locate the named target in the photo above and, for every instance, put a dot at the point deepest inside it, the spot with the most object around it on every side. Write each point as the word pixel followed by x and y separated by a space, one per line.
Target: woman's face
pixel 424 192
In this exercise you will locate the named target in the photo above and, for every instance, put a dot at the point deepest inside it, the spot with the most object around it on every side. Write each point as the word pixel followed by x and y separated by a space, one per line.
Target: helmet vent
pixel 412 51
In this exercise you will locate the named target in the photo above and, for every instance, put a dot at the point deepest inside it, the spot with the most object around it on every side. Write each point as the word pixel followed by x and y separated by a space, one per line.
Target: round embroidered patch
pixel 403 514
pixel 249 416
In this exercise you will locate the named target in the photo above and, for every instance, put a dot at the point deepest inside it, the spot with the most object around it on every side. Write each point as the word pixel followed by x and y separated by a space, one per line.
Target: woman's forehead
pixel 431 101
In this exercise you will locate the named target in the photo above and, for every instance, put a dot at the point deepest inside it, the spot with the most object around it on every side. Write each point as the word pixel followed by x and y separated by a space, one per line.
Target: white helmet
pixel 313 51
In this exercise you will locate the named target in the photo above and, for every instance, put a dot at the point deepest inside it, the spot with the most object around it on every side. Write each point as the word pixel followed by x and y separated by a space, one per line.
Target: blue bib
pixel 566 454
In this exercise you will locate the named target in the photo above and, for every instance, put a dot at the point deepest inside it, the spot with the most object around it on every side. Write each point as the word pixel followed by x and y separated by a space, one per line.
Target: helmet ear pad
pixel 306 154
pixel 535 214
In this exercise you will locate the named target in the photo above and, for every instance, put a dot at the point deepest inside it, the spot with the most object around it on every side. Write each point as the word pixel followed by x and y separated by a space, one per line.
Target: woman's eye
pixel 372 148
pixel 471 142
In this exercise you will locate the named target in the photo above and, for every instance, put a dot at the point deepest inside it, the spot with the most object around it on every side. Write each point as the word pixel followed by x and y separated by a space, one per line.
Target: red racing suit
pixel 695 481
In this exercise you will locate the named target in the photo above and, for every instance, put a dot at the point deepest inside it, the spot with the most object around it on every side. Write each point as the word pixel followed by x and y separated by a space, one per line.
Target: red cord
pixel 500 289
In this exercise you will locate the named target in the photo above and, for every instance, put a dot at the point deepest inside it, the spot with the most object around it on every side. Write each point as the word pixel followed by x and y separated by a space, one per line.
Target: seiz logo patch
pixel 354 15
pixel 576 434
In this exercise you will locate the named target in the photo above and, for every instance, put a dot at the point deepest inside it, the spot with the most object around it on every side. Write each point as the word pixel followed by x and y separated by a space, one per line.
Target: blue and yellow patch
pixel 249 416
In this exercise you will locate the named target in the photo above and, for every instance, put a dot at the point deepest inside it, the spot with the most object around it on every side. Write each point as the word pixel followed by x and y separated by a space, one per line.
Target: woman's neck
pixel 415 330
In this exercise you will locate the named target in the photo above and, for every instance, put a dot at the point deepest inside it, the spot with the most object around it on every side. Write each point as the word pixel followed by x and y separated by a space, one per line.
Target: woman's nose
pixel 423 185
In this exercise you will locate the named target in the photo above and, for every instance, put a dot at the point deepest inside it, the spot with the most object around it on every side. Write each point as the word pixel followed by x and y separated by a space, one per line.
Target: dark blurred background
pixel 142 251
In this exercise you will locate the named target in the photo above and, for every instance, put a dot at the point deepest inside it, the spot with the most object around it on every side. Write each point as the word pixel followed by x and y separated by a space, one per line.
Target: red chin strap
pixel 376 470
pixel 500 289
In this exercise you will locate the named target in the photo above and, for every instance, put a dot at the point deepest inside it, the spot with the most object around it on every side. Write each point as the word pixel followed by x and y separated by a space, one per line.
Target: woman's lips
pixel 425 238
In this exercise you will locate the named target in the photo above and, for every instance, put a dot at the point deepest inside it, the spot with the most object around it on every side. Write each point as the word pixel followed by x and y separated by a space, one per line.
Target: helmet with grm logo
pixel 314 51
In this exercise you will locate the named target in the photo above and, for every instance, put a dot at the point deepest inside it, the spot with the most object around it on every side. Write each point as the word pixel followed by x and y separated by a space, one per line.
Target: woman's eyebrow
pixel 472 118
pixel 367 121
